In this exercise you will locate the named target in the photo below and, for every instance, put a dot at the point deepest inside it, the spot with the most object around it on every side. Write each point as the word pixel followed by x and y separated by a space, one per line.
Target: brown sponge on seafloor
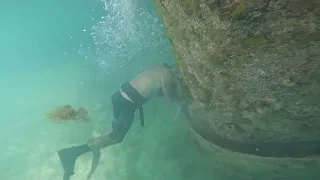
pixel 68 113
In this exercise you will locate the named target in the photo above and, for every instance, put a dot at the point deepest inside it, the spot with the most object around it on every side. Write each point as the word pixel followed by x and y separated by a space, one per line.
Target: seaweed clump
pixel 67 113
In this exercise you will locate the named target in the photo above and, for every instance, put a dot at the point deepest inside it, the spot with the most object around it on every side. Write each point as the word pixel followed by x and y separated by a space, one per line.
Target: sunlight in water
pixel 123 33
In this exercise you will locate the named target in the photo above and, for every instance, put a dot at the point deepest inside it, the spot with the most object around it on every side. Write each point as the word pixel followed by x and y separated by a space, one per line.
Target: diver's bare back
pixel 149 83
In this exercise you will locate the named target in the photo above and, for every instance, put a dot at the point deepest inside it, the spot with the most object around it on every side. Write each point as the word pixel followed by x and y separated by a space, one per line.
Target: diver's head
pixel 178 89
pixel 173 69
pixel 178 86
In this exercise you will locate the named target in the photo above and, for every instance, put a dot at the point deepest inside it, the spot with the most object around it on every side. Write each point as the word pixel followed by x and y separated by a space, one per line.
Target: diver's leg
pixel 105 140
pixel 68 156
pixel 101 142
pixel 95 145
pixel 120 128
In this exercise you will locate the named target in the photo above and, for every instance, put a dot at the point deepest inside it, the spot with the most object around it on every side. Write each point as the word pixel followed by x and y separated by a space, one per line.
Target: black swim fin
pixel 68 157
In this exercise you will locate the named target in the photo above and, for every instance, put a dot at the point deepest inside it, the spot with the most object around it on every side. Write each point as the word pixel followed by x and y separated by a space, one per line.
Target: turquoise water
pixel 77 52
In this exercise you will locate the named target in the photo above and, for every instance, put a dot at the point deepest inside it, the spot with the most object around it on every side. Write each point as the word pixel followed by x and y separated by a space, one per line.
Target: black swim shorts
pixel 123 111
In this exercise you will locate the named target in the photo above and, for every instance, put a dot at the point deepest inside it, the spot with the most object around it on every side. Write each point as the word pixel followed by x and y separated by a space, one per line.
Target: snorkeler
pixel 156 82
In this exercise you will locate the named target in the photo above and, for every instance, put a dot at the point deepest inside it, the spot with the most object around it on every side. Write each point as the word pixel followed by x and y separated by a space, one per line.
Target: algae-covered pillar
pixel 253 70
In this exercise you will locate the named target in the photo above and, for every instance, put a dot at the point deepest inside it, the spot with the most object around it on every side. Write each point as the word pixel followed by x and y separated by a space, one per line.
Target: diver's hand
pixel 95 161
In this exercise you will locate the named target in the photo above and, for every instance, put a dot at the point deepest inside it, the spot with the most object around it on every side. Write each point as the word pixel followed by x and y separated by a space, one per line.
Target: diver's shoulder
pixel 162 71
pixel 156 69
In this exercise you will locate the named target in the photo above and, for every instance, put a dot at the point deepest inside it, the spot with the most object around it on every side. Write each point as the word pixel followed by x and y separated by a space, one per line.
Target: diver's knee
pixel 117 136
pixel 118 139
pixel 101 142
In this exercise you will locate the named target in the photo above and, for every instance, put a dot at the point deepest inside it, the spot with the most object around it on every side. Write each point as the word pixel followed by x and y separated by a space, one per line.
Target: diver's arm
pixel 167 82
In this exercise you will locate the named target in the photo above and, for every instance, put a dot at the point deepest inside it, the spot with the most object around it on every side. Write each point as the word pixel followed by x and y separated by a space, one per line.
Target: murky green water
pixel 78 52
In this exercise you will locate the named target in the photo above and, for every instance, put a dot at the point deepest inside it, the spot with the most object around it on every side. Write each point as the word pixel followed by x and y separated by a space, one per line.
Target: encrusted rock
pixel 251 60
pixel 253 71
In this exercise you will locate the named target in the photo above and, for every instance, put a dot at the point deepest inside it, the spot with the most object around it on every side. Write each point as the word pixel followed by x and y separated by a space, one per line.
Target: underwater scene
pixel 160 90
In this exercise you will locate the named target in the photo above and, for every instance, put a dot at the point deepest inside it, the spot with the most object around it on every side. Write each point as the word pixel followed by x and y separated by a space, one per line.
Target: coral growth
pixel 67 113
